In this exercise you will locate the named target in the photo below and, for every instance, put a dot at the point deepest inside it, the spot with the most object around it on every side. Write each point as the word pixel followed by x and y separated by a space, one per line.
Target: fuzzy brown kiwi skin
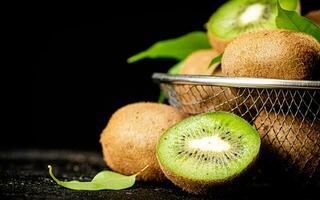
pixel 279 54
pixel 285 140
pixel 314 16
pixel 129 140
pixel 202 187
pixel 201 97
pixel 218 44
pixel 197 63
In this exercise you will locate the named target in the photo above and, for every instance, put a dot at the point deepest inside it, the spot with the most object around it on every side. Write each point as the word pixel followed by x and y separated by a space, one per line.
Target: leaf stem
pixel 143 169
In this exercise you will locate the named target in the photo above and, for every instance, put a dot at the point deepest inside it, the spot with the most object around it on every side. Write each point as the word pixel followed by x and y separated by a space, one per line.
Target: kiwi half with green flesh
pixel 314 16
pixel 207 150
pixel 197 99
pixel 129 140
pixel 236 17
pixel 295 140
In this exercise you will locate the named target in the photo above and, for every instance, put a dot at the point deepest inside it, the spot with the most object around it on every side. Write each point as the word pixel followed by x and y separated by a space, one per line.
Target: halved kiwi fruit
pixel 207 150
pixel 241 16
pixel 129 140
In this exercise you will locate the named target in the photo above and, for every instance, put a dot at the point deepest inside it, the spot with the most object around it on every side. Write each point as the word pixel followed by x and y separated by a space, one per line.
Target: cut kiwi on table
pixel 240 16
pixel 207 150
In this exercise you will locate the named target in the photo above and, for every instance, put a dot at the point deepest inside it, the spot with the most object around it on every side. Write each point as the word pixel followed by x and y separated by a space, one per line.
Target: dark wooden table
pixel 24 175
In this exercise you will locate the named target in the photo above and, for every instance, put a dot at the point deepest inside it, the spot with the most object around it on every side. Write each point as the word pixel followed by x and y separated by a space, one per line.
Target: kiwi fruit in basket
pixel 236 17
pixel 206 150
pixel 129 140
pixel 278 54
pixel 314 16
pixel 197 99
pixel 293 138
pixel 198 63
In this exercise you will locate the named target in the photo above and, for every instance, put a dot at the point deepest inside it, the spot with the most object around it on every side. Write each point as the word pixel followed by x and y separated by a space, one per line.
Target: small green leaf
pixel 161 98
pixel 103 180
pixel 178 48
pixel 215 60
pixel 291 20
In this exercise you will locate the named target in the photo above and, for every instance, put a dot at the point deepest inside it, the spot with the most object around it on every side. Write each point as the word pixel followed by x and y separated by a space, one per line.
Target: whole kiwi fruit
pixel 293 138
pixel 130 137
pixel 197 63
pixel 279 54
pixel 314 16
pixel 197 99
pixel 236 17
pixel 207 150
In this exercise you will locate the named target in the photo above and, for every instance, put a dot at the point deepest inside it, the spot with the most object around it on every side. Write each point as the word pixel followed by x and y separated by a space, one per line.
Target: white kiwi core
pixel 252 14
pixel 212 143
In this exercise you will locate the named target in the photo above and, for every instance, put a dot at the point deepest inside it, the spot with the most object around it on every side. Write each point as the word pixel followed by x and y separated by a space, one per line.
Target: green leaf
pixel 216 60
pixel 291 20
pixel 102 181
pixel 178 48
pixel 161 98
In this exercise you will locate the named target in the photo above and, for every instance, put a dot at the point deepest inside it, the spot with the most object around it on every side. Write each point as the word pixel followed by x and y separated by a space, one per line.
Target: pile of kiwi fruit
pixel 204 150
pixel 195 152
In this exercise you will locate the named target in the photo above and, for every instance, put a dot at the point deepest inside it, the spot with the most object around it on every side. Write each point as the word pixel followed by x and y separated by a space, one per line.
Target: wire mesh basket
pixel 285 112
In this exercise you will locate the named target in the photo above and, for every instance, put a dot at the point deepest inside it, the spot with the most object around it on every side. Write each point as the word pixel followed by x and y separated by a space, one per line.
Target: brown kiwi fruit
pixel 296 140
pixel 217 43
pixel 314 16
pixel 197 99
pixel 197 63
pixel 129 140
pixel 279 54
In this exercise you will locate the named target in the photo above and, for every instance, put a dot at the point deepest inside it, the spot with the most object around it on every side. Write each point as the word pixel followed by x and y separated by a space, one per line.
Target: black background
pixel 79 70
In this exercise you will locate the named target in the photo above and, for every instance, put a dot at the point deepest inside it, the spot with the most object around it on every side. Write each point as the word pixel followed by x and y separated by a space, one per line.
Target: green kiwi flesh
pixel 240 16
pixel 206 150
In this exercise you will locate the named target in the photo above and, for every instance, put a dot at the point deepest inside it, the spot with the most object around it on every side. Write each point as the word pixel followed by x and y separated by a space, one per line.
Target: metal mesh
pixel 287 119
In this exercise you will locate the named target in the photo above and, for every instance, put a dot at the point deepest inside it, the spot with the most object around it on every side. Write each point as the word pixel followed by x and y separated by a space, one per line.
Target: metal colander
pixel 285 112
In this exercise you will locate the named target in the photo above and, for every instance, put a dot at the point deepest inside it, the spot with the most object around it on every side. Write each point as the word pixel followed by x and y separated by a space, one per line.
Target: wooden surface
pixel 24 175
